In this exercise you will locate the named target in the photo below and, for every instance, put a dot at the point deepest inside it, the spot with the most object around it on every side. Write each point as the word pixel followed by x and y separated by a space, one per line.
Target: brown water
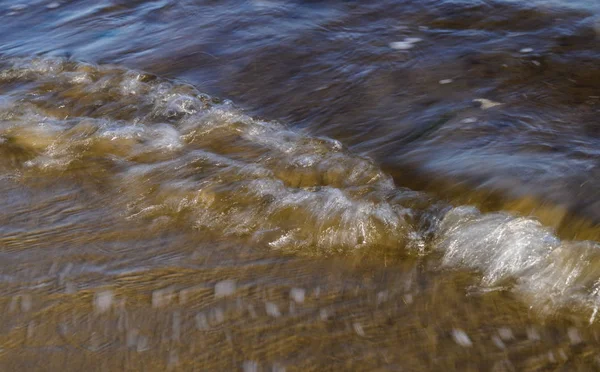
pixel 287 185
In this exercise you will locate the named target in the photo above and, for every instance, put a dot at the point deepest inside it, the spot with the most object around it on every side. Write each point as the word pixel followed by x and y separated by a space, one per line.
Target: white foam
pixel 498 244
pixel 402 45
pixel 549 272
pixel 566 277
pixel 486 103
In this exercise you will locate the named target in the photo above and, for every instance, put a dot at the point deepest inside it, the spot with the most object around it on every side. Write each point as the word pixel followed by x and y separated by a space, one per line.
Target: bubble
pixel 103 301
pixel 574 336
pixel 358 329
pixel 506 334
pixel 498 342
pixel 225 288
pixel 297 294
pixel 461 338
pixel 486 103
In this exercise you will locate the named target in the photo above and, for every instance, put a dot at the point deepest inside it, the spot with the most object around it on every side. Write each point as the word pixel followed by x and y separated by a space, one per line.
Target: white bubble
pixel 486 103
pixel 297 294
pixel 358 329
pixel 505 333
pixel 103 301
pixel 461 338
pixel 574 336
pixel 401 45
pixel 498 342
pixel 225 288
pixel 407 43
pixel 382 297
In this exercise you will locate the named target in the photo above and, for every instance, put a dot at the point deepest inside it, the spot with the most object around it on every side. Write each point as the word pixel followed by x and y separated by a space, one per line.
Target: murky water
pixel 287 185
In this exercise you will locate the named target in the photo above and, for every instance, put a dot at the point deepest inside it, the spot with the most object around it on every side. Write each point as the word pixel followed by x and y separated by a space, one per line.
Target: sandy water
pixel 272 185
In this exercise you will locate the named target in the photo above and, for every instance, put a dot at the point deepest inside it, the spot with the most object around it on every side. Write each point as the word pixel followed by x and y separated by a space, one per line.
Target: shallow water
pixel 285 185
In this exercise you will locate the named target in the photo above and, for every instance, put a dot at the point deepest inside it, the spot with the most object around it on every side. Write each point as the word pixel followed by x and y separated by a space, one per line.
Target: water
pixel 282 185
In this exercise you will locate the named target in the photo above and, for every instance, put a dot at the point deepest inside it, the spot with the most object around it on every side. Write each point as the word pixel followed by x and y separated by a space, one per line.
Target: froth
pixel 500 245
pixel 549 272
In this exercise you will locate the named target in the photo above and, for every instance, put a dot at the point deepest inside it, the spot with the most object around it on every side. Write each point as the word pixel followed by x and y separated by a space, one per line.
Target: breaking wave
pixel 174 155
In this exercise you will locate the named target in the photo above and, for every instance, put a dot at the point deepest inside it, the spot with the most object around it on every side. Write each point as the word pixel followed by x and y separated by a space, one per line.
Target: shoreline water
pixel 411 185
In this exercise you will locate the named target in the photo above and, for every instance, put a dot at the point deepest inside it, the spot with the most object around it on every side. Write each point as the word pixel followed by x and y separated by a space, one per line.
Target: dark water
pixel 288 185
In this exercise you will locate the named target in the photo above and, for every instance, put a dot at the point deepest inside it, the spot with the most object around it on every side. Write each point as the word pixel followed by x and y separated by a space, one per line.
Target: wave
pixel 174 155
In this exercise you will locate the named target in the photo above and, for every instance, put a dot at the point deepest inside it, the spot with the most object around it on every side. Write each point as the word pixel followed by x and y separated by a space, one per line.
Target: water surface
pixel 287 185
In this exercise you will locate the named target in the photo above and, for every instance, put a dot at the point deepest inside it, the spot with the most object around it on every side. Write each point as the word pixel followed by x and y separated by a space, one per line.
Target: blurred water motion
pixel 404 185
